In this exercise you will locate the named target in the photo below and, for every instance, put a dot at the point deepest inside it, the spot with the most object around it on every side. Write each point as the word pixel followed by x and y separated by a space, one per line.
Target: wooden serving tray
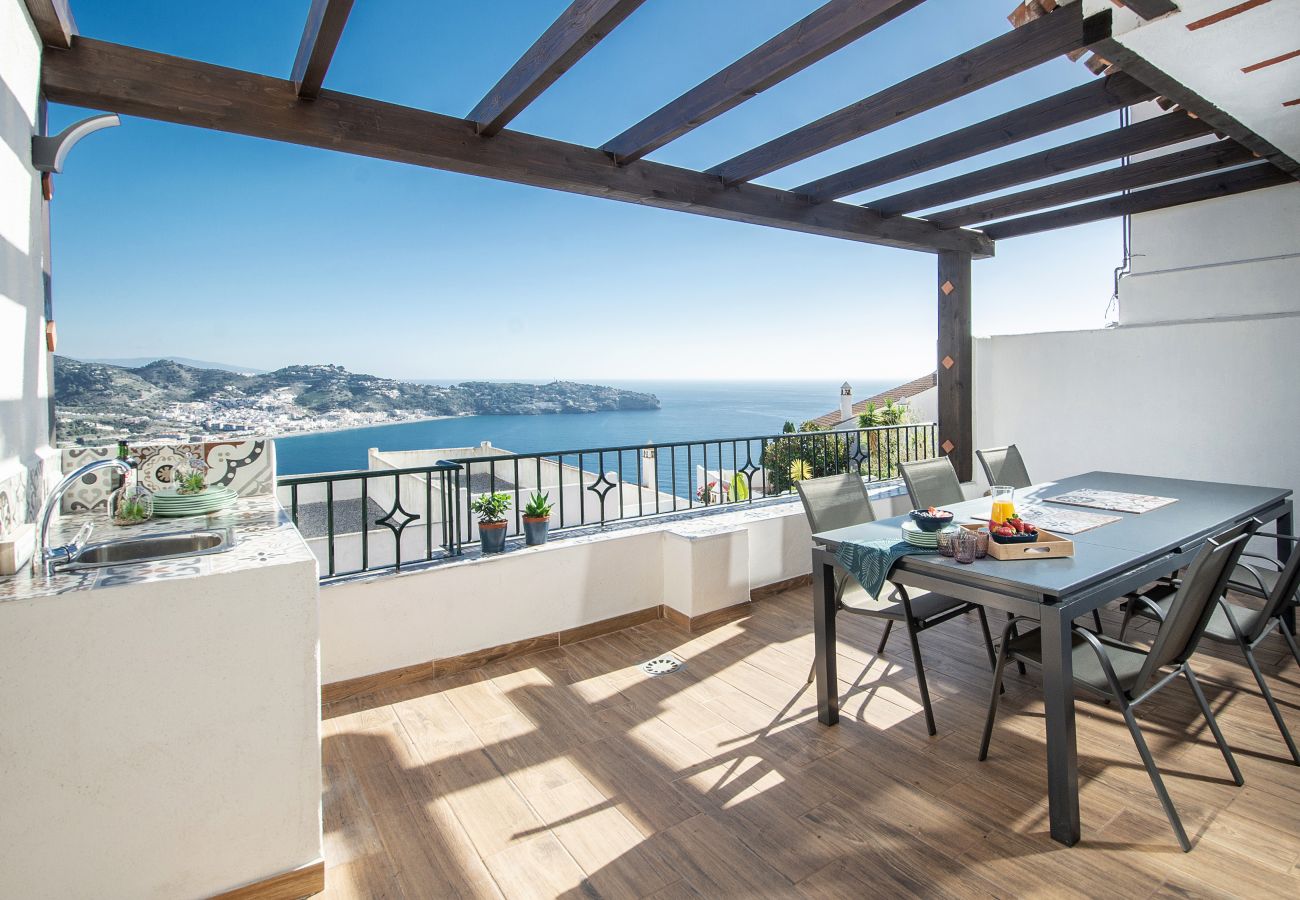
pixel 1048 546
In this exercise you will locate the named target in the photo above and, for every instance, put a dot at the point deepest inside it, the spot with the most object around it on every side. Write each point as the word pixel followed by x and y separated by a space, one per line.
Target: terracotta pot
pixel 492 536
pixel 536 529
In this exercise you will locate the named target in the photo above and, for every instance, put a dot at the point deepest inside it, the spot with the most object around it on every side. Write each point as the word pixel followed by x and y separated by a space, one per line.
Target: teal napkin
pixel 871 561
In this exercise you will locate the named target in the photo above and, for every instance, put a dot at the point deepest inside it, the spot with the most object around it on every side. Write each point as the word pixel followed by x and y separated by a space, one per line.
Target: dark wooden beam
pixel 320 38
pixel 1151 9
pixel 1220 184
pixel 135 82
pixel 1152 134
pixel 579 28
pixel 1002 57
pixel 1078 104
pixel 53 21
pixel 816 36
pixel 1219 119
pixel 956 366
pixel 1183 164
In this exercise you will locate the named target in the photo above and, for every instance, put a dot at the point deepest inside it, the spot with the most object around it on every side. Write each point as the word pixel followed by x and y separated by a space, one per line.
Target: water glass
pixel 967 546
pixel 948 541
pixel 981 543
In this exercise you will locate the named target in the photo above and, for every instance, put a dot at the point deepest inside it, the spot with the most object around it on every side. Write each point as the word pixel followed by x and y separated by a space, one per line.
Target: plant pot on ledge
pixel 492 536
pixel 491 510
pixel 537 519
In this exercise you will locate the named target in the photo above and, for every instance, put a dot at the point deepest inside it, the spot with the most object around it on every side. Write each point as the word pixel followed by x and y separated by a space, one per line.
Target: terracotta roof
pixel 896 394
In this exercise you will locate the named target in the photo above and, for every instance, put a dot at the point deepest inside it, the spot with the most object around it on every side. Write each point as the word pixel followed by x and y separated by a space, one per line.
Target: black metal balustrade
pixel 427 511
pixel 332 506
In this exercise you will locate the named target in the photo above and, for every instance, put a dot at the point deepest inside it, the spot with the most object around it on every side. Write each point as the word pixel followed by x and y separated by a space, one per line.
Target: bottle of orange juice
pixel 1004 506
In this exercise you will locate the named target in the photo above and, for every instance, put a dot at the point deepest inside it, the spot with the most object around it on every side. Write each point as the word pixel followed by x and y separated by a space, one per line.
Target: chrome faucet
pixel 47 558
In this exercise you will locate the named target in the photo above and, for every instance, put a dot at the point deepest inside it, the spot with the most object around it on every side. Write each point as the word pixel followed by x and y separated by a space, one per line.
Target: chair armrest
pixel 1232 619
pixel 1156 612
pixel 1274 534
pixel 1259 580
pixel 1268 559
pixel 1102 657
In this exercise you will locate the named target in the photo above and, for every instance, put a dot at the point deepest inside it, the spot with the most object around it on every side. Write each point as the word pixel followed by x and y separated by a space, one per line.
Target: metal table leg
pixel 828 695
pixel 1058 700
pixel 1286 525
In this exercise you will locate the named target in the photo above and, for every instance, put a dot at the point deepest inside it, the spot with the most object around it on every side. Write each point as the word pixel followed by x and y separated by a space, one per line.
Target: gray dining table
pixel 1109 561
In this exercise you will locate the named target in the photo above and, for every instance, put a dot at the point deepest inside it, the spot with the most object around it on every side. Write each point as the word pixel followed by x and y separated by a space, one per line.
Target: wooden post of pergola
pixel 956 434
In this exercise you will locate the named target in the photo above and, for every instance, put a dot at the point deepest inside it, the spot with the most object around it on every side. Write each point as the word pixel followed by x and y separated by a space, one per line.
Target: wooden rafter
pixel 1002 57
pixel 320 38
pixel 53 21
pixel 1066 108
pixel 1152 134
pixel 579 28
pixel 1220 184
pixel 126 80
pixel 828 28
pixel 1151 9
pixel 1182 164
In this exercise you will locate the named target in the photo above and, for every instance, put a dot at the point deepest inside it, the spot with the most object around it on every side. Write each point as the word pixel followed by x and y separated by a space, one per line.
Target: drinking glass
pixel 1004 506
pixel 967 546
pixel 981 543
pixel 948 541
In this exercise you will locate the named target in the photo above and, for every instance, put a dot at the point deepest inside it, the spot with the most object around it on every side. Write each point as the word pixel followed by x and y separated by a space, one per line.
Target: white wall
pixel 25 366
pixel 695 566
pixel 160 740
pixel 1212 400
pixel 1232 256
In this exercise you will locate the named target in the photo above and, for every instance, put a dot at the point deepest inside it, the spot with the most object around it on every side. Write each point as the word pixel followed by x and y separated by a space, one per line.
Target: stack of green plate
pixel 169 504
pixel 913 534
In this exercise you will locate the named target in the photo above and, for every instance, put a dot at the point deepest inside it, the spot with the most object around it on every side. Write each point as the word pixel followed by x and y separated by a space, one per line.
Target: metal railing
pixel 426 509
pixel 336 512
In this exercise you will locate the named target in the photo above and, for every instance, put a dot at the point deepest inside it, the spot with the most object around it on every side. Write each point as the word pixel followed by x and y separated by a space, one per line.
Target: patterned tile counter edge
pixel 264 536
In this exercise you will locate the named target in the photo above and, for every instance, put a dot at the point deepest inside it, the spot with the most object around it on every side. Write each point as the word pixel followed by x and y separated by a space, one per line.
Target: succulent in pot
pixel 190 476
pixel 491 510
pixel 537 518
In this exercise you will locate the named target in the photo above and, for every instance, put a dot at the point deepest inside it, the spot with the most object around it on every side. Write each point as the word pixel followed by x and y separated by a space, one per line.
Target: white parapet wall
pixel 696 566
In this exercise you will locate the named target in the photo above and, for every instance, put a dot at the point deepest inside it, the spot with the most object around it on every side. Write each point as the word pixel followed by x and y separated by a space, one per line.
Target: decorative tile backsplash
pixel 245 466
pixel 22 492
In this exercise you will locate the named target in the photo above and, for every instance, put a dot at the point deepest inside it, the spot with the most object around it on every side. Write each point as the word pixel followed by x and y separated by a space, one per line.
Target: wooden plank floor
pixel 569 773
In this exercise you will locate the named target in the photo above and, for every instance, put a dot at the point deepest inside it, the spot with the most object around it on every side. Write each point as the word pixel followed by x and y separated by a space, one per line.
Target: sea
pixel 690 411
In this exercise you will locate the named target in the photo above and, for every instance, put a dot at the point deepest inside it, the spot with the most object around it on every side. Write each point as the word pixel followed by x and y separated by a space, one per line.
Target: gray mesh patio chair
pixel 838 501
pixel 932 482
pixel 1234 623
pixel 1130 674
pixel 1004 465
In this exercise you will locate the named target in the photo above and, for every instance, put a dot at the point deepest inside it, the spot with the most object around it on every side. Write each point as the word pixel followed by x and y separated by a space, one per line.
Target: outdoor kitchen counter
pixel 166 716
pixel 264 536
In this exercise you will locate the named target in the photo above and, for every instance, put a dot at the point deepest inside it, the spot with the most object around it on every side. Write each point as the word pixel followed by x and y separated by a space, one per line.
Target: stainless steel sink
pixel 153 547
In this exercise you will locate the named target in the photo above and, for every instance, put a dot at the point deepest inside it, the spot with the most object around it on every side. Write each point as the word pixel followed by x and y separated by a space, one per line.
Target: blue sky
pixel 181 241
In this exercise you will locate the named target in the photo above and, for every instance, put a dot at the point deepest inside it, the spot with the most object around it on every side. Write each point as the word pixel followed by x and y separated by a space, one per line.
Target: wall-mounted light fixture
pixel 48 153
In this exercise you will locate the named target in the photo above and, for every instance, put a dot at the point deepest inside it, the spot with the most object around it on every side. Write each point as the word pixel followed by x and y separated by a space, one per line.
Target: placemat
pixel 1063 521
pixel 1116 500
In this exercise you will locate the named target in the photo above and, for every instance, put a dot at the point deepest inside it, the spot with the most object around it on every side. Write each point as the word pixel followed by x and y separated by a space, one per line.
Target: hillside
pixel 97 402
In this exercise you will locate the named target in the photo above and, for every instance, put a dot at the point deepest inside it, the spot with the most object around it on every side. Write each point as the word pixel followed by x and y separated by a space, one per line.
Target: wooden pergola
pixel 82 71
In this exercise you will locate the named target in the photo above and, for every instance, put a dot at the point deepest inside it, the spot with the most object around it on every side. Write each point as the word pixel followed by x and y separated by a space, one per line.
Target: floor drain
pixel 662 665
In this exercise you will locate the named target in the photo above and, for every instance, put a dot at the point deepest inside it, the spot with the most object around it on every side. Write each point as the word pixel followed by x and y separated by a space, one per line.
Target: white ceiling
pixel 1209 59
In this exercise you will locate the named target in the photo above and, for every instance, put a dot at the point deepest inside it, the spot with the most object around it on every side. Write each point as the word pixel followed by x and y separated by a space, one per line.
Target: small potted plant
pixel 191 476
pixel 491 510
pixel 130 505
pixel 537 518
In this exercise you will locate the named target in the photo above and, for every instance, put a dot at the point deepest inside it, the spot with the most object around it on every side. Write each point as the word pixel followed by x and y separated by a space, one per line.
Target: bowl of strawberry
pixel 1014 530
